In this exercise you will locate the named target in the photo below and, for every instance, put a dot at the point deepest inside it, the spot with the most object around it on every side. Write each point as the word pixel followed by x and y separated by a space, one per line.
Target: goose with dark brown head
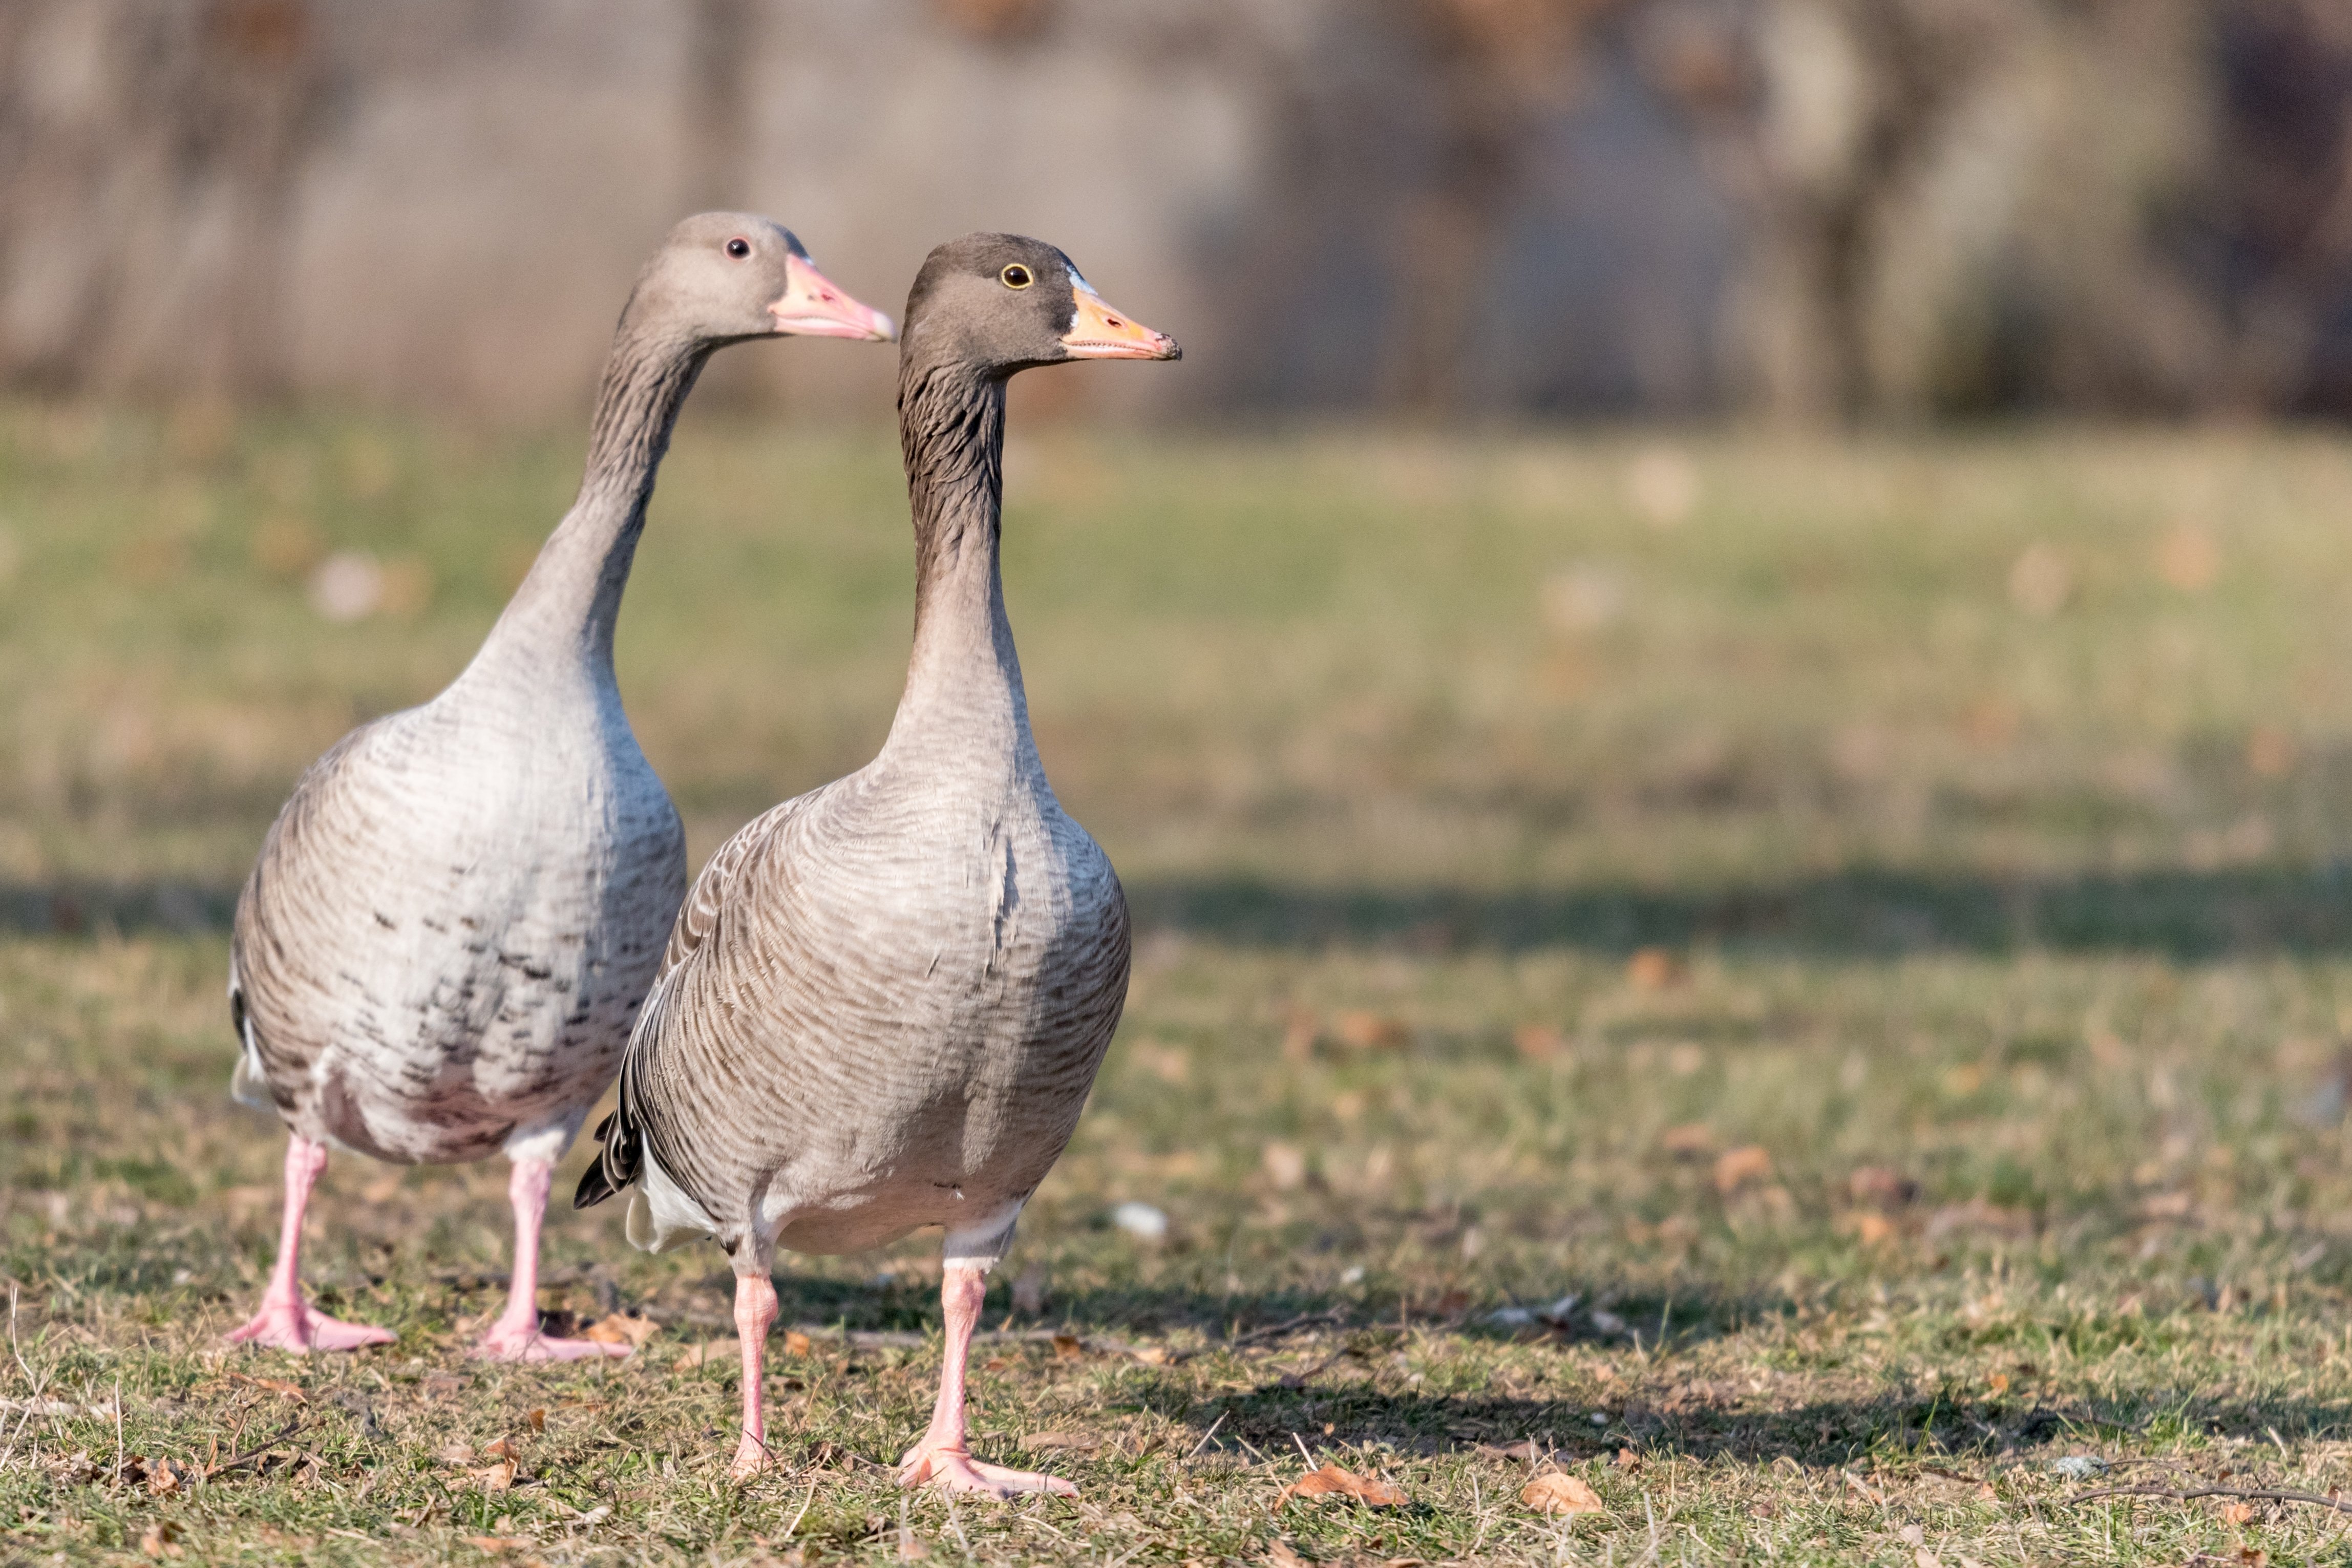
pixel 884 1002
pixel 445 941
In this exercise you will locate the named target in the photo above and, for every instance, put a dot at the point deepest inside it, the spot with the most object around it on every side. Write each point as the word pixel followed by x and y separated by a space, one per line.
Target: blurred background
pixel 1811 211
pixel 1722 684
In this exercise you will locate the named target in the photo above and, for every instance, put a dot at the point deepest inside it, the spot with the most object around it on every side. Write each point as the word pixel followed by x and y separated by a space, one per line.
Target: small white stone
pixel 347 586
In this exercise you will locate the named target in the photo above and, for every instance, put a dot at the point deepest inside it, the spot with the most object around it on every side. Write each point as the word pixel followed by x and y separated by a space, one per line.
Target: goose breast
pixel 444 939
pixel 937 979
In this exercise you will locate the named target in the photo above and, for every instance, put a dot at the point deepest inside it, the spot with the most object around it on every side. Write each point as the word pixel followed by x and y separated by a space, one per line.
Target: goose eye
pixel 739 247
pixel 1017 276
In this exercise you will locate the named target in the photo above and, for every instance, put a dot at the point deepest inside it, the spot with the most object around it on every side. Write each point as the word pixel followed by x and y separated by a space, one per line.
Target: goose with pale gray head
pixel 443 945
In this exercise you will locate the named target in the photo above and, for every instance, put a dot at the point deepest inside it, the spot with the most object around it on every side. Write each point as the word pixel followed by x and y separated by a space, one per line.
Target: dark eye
pixel 1017 276
pixel 739 247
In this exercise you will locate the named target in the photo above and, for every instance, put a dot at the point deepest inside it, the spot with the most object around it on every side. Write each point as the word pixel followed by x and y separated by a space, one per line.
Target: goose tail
pixel 248 1082
pixel 616 1165
pixel 659 1216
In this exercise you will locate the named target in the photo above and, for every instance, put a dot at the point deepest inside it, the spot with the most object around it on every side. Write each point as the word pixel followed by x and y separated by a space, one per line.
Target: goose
pixel 451 922
pixel 885 1001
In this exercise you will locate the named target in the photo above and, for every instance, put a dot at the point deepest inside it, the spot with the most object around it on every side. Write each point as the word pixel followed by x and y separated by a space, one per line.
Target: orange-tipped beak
pixel 813 308
pixel 1101 332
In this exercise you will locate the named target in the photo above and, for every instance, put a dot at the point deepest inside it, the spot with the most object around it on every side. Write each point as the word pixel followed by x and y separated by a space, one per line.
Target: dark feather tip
pixel 593 1188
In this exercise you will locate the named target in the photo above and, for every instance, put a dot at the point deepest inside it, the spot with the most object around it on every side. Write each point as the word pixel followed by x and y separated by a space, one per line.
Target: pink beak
pixel 814 308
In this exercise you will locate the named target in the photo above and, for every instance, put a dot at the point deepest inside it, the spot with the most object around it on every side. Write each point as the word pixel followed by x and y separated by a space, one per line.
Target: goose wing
pixel 276 1046
pixel 622 1133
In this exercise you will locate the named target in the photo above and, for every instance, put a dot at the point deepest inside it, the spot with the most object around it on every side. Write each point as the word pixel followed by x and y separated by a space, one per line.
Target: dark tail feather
pixel 617 1163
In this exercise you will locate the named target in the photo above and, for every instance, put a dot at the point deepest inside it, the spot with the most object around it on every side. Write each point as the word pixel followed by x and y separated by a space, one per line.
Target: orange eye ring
pixel 1016 276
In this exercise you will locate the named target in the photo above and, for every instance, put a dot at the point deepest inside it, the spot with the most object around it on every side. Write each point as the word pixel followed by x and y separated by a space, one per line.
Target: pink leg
pixel 285 1322
pixel 755 1313
pixel 941 1456
pixel 515 1336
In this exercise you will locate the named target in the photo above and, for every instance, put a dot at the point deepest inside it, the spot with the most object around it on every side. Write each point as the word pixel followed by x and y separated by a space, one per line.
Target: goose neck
pixel 964 673
pixel 570 599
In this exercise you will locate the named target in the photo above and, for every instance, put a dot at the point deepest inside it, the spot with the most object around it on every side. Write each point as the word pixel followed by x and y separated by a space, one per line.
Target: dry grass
pixel 1891 976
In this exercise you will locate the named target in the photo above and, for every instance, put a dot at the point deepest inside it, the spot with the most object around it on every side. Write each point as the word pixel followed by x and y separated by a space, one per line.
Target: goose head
pixel 1002 302
pixel 724 278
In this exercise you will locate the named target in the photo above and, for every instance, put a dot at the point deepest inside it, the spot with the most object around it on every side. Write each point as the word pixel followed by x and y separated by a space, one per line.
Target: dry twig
pixel 247 1458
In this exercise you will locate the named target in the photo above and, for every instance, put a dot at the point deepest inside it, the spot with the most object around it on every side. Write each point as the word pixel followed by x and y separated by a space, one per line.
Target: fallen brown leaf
pixel 2188 558
pixel 1869 1227
pixel 1881 1188
pixel 1736 1168
pixel 1524 1451
pixel 1333 1481
pixel 2270 753
pixel 290 1390
pixel 162 1478
pixel 1538 1042
pixel 709 1350
pixel 619 1328
pixel 456 1454
pixel 157 1541
pixel 2238 1512
pixel 1068 1347
pixel 1628 1461
pixel 1691 1140
pixel 796 1343
pixel 500 1448
pixel 1280 1555
pixel 1652 969
pixel 1557 1491
pixel 1366 1031
pixel 1299 1035
pixel 1039 1442
pixel 496 1478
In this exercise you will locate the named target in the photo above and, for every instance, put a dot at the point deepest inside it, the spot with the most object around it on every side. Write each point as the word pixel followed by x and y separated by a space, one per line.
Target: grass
pixel 1875 935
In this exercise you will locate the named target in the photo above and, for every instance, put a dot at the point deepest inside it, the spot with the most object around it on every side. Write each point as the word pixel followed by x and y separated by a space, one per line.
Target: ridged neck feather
pixel 963 674
pixel 569 602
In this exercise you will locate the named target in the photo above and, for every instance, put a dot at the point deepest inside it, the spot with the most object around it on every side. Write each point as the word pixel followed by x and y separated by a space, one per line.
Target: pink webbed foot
pixel 954 1470
pixel 750 1458
pixel 508 1342
pixel 293 1326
